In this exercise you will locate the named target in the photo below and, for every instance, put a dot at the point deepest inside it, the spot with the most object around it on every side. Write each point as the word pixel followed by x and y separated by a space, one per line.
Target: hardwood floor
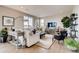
pixel 55 48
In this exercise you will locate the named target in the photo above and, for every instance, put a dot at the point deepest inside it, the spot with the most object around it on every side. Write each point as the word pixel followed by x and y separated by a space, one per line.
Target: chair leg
pixel 63 42
pixel 58 42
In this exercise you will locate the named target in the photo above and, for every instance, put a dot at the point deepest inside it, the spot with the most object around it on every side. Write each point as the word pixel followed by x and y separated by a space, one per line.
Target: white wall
pixel 53 19
pixel 12 13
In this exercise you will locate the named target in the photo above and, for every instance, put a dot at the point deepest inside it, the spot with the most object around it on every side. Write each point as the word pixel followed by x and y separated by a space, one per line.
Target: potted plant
pixel 4 34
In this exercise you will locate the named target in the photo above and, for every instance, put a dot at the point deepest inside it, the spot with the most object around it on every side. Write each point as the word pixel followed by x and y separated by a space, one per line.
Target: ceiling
pixel 42 10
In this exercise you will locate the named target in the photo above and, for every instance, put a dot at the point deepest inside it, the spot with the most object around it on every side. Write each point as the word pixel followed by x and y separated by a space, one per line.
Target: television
pixel 52 24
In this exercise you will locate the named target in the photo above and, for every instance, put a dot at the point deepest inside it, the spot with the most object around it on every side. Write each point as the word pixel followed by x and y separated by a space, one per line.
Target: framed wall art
pixel 7 21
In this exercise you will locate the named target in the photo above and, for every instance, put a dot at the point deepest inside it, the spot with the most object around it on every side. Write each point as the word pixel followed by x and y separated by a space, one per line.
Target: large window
pixel 28 22
pixel 41 22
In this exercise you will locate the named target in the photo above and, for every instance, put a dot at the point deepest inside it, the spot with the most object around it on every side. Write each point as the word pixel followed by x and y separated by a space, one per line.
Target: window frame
pixel 28 21
pixel 42 23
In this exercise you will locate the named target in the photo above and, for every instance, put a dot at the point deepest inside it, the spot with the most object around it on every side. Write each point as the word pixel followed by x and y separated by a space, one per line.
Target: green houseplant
pixel 66 21
pixel 4 34
pixel 71 44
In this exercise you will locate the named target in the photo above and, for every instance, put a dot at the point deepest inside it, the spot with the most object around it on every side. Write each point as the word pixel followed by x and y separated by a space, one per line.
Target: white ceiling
pixel 43 10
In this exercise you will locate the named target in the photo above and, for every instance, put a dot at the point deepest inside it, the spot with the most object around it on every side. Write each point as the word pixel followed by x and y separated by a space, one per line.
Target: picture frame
pixel 7 21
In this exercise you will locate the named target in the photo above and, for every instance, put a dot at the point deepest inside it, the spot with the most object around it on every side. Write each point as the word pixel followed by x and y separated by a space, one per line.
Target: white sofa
pixel 31 39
